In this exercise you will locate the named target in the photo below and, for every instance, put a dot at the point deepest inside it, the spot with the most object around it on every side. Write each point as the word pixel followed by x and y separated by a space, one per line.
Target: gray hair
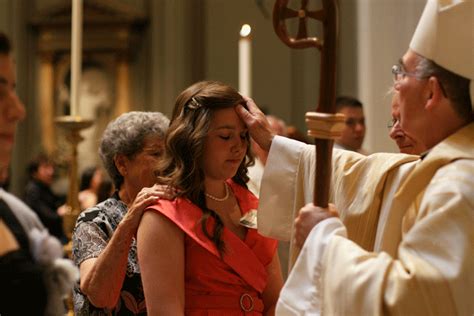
pixel 455 87
pixel 125 135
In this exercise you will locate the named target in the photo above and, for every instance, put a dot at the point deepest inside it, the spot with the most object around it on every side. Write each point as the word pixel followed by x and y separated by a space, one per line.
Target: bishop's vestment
pixel 404 243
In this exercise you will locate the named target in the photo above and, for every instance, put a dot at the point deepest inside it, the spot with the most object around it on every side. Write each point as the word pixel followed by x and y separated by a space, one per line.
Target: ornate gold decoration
pixel 72 125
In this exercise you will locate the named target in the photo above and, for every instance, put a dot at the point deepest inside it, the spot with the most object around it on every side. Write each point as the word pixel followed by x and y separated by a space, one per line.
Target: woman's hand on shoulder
pixel 146 197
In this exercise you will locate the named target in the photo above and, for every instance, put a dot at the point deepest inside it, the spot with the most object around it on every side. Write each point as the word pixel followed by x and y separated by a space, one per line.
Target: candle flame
pixel 245 30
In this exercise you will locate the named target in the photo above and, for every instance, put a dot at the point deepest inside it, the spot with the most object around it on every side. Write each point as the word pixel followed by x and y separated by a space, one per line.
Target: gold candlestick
pixel 73 126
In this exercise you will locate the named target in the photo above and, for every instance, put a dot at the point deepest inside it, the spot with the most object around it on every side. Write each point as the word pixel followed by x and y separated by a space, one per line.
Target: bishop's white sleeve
pixel 301 294
pixel 290 165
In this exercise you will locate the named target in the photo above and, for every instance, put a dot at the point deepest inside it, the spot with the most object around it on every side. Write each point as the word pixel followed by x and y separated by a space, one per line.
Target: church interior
pixel 139 54
pixel 136 147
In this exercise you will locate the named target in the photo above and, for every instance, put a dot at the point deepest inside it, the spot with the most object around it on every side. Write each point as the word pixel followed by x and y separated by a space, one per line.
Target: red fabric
pixel 242 269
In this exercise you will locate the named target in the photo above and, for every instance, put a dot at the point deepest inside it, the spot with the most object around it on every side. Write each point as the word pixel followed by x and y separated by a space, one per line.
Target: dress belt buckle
pixel 246 307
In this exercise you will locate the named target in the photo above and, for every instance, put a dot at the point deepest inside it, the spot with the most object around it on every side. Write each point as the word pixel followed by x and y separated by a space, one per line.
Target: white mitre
pixel 445 34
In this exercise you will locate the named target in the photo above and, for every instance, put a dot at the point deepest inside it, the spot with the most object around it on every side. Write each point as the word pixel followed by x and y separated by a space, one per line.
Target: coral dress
pixel 233 284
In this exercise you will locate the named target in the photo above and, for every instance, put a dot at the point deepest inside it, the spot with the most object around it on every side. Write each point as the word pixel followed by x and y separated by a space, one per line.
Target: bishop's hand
pixel 257 123
pixel 308 217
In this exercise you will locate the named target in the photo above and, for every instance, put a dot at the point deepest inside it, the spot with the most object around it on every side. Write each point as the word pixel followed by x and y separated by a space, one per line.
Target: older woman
pixel 104 245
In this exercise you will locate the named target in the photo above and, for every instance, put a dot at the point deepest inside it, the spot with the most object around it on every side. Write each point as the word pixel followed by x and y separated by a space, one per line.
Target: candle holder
pixel 73 126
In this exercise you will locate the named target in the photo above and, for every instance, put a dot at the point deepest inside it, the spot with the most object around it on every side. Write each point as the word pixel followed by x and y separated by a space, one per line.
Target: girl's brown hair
pixel 181 165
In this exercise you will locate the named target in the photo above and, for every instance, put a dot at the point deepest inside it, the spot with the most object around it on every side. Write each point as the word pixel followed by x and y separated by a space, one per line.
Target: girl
pixel 195 255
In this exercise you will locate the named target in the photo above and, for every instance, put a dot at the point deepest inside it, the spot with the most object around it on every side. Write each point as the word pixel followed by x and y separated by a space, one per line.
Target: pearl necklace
pixel 212 197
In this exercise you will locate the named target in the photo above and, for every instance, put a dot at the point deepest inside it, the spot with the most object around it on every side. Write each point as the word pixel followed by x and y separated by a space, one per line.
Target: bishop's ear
pixel 436 92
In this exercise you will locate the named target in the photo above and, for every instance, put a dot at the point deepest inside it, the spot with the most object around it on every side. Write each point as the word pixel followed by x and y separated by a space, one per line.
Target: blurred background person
pixel 255 172
pixel 104 244
pixel 106 188
pixel 294 133
pixel 20 275
pixel 34 278
pixel 91 178
pixel 41 198
pixel 5 178
pixel 354 132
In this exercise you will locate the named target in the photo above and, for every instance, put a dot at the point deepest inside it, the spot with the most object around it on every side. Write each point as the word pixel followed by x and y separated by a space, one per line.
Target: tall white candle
pixel 245 61
pixel 76 55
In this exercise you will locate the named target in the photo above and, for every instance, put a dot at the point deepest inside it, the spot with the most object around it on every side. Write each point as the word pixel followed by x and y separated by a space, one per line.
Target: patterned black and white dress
pixel 93 231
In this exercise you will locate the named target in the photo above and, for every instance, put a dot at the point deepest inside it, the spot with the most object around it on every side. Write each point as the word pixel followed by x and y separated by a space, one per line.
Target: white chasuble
pixel 405 241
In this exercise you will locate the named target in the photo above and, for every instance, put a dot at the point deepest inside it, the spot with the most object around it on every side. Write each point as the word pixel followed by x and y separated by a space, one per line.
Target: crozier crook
pixel 324 125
